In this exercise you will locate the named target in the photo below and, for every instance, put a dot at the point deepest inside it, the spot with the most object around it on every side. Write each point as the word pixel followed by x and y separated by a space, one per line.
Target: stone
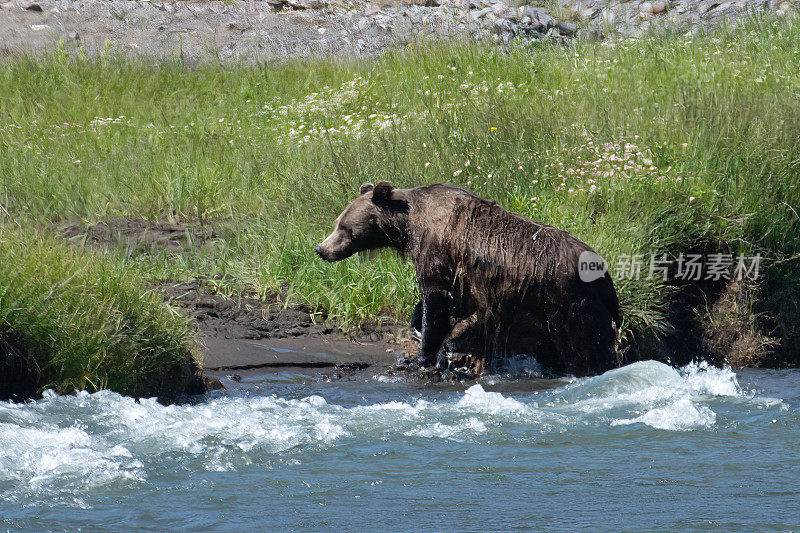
pixel 706 6
pixel 503 11
pixel 566 28
pixel 658 7
pixel 726 6
pixel 477 15
pixel 537 17
pixel 501 27
pixel 36 8
pixel 213 383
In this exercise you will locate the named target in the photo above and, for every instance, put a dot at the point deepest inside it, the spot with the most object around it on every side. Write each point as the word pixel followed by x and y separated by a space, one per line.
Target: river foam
pixel 69 445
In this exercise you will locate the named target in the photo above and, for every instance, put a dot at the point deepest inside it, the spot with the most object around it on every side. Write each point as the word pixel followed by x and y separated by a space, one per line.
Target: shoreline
pixel 197 31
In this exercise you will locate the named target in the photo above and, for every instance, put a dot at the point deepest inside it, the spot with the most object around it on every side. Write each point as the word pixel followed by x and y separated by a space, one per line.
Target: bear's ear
pixel 382 193
pixel 365 188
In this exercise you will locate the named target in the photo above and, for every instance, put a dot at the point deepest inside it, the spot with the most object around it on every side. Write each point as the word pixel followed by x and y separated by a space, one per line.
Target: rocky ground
pixel 266 30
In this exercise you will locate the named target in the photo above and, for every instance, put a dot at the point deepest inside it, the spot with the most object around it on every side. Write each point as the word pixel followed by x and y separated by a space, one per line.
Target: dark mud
pixel 137 236
pixel 248 331
pixel 245 316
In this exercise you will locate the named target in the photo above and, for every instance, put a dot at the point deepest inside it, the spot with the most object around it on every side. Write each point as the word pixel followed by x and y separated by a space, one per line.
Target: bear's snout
pixel 325 253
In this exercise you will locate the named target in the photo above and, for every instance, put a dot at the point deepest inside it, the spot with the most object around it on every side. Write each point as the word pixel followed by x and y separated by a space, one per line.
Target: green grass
pixel 87 323
pixel 276 151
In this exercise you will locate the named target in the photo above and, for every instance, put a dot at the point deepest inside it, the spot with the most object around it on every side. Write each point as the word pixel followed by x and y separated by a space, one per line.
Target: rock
pixel 316 4
pixel 535 19
pixel 477 15
pixel 504 28
pixel 34 7
pixel 658 7
pixel 706 6
pixel 475 4
pixel 546 20
pixel 298 5
pixel 213 383
pixel 727 7
pixel 566 28
pixel 501 10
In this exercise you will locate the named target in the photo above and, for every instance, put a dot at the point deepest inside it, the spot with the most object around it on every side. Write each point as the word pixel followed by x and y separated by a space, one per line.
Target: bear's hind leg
pixel 589 344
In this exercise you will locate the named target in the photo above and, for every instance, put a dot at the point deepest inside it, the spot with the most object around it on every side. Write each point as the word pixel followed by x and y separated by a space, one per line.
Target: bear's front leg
pixel 436 313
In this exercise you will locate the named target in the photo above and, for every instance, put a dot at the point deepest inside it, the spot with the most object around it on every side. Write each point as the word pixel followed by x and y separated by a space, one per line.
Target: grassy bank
pixel 668 145
pixel 71 321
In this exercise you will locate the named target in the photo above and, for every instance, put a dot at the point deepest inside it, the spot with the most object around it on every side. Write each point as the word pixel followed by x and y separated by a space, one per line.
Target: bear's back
pixel 478 230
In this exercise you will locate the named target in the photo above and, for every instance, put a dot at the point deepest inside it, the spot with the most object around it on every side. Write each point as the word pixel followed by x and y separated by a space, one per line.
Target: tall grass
pixel 668 144
pixel 87 323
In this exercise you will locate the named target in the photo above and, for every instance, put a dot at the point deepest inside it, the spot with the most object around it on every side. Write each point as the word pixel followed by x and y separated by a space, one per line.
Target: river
pixel 644 447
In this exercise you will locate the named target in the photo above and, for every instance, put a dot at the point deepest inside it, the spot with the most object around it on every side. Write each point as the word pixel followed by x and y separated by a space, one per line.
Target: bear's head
pixel 371 221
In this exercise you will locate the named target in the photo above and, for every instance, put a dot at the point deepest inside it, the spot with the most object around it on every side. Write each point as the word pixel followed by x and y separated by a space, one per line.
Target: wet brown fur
pixel 508 281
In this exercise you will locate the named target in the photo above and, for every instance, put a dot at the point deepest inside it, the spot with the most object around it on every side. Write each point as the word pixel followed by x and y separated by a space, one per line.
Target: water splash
pixel 658 395
pixel 70 445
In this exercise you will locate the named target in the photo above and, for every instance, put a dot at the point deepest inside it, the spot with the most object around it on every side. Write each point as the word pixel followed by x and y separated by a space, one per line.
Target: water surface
pixel 644 447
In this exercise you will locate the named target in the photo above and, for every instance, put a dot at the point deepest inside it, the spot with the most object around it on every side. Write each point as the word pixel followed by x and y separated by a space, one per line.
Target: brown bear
pixel 522 283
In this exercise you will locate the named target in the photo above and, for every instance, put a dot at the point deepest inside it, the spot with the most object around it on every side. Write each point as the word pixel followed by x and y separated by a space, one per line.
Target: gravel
pixel 267 30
